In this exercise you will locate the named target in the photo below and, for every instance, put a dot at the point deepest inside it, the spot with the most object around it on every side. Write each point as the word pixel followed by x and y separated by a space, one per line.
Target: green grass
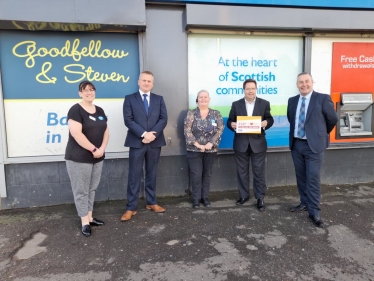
pixel 276 110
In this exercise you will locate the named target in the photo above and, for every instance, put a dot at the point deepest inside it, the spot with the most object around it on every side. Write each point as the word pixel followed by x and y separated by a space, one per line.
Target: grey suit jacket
pixel 241 141
pixel 320 119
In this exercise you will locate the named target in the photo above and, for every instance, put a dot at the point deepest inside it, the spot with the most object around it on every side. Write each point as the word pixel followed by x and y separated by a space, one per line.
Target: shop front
pixel 189 46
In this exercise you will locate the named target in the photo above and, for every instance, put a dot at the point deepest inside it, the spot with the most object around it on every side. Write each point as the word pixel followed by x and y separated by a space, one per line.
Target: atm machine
pixel 355 112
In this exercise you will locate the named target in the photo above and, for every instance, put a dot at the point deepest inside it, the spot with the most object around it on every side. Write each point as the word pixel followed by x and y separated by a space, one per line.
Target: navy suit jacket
pixel 320 119
pixel 137 121
pixel 241 141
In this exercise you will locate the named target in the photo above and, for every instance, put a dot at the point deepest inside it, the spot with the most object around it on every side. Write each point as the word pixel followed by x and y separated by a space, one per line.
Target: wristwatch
pixel 93 150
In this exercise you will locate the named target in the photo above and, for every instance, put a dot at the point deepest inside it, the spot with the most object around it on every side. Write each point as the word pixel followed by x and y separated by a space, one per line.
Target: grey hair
pixel 305 73
pixel 201 91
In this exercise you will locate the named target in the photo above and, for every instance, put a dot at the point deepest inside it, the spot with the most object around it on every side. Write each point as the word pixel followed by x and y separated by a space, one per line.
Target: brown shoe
pixel 156 208
pixel 127 215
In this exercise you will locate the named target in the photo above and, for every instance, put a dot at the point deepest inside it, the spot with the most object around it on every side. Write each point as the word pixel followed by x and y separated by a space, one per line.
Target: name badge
pixel 214 122
pixel 92 118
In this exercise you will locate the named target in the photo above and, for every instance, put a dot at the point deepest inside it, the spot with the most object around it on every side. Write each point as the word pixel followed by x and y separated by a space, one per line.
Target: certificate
pixel 248 125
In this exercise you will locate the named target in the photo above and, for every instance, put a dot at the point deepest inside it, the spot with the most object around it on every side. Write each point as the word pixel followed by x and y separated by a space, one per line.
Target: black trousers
pixel 200 164
pixel 258 172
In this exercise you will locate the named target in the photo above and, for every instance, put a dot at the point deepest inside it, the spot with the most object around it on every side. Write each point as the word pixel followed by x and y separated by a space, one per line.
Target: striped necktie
pixel 301 125
pixel 145 103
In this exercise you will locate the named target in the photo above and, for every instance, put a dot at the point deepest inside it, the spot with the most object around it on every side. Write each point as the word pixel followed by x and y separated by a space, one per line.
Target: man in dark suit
pixel 312 117
pixel 145 116
pixel 250 146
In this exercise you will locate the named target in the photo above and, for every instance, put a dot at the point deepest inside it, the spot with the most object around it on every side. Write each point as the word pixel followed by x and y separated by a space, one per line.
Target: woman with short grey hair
pixel 203 128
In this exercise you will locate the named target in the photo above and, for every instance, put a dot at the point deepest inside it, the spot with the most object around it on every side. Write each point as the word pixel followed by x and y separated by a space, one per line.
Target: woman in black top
pixel 85 152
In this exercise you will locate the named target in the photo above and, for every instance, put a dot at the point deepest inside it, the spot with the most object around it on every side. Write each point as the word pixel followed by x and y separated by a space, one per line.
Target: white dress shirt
pixel 250 106
pixel 148 99
pixel 148 95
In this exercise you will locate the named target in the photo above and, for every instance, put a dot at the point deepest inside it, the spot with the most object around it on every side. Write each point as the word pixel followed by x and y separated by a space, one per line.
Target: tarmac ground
pixel 224 242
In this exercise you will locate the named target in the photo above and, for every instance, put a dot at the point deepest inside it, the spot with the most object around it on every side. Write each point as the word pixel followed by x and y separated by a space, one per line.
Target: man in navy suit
pixel 145 117
pixel 312 117
pixel 250 147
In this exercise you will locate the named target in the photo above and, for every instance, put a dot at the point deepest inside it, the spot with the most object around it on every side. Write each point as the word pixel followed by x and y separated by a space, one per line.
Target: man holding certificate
pixel 249 118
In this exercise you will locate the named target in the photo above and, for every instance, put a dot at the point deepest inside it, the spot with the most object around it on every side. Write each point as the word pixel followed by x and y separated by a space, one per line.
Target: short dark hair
pixel 84 84
pixel 248 81
pixel 146 72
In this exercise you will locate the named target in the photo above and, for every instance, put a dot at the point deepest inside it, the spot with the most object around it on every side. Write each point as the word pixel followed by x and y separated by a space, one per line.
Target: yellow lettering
pixel 95 77
pixel 66 68
pixel 54 25
pixel 81 27
pixel 54 52
pixel 84 52
pixel 113 76
pixel 74 53
pixel 42 52
pixel 97 48
pixel 65 50
pixel 91 47
pixel 65 27
pixel 104 77
pixel 88 73
pixel 105 54
pixel 45 68
pixel 92 75
pixel 30 26
pixel 72 27
pixel 40 25
pixel 115 54
pixel 17 25
pixel 90 26
pixel 123 54
pixel 92 51
pixel 119 77
pixel 30 62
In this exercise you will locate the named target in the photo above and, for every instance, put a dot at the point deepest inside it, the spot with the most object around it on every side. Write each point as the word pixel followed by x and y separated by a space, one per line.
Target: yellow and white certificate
pixel 248 125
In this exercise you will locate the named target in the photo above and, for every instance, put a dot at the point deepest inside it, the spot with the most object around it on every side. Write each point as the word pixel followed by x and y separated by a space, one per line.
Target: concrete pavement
pixel 224 242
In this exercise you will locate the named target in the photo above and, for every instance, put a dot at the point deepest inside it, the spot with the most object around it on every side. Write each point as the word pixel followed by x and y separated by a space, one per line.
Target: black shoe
pixel 195 204
pixel 261 205
pixel 205 202
pixel 96 222
pixel 86 230
pixel 299 208
pixel 241 201
pixel 317 221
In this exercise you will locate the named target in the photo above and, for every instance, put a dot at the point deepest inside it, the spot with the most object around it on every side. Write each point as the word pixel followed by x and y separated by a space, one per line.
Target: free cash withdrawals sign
pixel 352 67
pixel 40 77
pixel 221 63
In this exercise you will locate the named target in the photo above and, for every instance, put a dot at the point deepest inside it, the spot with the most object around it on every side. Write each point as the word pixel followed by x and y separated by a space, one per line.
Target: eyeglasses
pixel 88 90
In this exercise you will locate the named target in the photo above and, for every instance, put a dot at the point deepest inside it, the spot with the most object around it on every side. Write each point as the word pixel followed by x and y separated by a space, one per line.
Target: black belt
pixel 298 139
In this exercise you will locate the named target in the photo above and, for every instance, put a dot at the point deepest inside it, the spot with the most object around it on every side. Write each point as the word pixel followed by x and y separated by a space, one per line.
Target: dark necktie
pixel 145 103
pixel 301 126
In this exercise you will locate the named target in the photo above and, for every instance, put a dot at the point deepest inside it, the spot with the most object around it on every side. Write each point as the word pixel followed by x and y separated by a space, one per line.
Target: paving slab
pixel 224 242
